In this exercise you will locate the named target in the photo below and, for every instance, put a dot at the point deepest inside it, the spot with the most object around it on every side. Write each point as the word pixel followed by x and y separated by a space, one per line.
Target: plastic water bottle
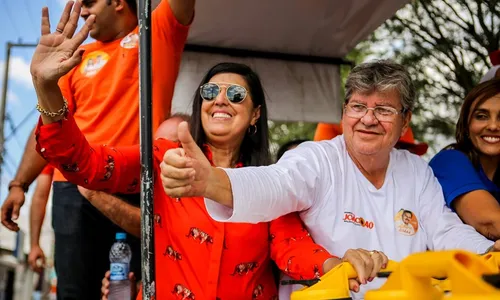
pixel 53 285
pixel 119 257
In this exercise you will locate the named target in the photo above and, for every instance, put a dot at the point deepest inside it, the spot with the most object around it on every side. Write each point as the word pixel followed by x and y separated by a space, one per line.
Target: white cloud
pixel 19 71
pixel 12 98
pixel 62 2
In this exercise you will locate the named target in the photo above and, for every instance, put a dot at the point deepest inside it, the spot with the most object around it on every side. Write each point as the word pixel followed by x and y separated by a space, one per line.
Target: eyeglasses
pixel 382 113
pixel 234 93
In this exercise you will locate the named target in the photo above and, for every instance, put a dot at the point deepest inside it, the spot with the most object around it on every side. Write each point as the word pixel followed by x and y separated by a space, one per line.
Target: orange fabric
pixel 326 131
pixel 195 255
pixel 48 170
pixel 103 90
pixel 407 141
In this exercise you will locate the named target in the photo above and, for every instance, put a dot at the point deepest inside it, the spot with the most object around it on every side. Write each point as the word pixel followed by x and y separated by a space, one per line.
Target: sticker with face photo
pixel 406 222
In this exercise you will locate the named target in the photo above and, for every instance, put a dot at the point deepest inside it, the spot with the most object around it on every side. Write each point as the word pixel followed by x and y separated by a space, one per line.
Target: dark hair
pixel 477 96
pixel 286 146
pixel 132 4
pixel 407 212
pixel 254 150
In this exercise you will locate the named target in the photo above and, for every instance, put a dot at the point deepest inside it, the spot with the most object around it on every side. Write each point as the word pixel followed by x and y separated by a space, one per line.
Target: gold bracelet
pixel 61 112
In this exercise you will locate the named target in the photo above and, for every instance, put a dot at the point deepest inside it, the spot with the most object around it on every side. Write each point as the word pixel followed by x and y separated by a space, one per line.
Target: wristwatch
pixel 15 183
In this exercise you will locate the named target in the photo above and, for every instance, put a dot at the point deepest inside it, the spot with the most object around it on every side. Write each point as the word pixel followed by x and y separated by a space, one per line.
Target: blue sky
pixel 20 22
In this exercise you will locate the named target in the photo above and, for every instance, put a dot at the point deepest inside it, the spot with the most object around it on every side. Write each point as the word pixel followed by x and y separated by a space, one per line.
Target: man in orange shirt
pixel 102 94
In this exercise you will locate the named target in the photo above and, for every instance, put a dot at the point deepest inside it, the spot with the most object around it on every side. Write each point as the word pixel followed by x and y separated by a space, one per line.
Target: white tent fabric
pixel 328 28
pixel 294 90
pixel 297 90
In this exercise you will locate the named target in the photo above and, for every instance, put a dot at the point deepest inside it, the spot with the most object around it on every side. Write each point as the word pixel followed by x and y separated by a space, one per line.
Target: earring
pixel 252 130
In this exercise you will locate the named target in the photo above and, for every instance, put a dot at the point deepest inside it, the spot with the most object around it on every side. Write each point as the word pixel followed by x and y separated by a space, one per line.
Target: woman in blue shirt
pixel 467 170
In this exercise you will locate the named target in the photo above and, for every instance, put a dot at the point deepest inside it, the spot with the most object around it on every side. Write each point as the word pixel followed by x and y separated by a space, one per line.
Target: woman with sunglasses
pixel 196 257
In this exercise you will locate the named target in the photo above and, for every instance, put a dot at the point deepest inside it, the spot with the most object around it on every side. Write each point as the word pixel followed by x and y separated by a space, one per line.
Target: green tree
pixel 445 45
pixel 283 132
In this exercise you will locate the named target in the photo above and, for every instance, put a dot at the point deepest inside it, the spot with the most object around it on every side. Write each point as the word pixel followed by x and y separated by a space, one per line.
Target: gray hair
pixel 381 76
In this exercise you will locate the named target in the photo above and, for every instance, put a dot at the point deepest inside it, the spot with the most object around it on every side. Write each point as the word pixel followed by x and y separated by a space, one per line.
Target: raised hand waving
pixel 57 52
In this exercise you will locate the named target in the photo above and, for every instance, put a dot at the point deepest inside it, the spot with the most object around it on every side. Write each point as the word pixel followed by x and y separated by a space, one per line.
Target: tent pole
pixel 146 140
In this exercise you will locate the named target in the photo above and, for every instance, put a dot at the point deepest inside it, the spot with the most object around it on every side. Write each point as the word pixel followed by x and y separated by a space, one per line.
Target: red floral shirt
pixel 196 257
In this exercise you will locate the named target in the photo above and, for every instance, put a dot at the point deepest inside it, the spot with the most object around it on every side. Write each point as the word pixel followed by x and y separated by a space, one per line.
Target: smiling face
pixel 406 217
pixel 369 136
pixel 225 122
pixel 484 126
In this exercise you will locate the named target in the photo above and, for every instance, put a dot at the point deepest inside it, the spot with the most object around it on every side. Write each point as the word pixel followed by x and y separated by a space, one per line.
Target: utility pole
pixel 3 100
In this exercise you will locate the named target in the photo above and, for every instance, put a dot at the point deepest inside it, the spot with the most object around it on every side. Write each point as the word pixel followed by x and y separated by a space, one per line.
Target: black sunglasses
pixel 234 93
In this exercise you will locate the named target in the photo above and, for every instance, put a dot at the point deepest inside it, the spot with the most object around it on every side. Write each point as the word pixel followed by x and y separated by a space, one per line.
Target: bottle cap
pixel 121 236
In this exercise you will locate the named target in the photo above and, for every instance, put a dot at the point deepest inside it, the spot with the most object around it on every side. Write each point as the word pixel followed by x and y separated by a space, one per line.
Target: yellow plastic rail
pixel 414 279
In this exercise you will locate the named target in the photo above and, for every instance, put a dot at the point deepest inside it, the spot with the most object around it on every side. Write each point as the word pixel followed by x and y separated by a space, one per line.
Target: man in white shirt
pixel 353 192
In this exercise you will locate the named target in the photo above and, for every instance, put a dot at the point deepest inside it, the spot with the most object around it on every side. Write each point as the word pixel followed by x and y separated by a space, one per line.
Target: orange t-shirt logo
pixel 93 63
pixel 130 41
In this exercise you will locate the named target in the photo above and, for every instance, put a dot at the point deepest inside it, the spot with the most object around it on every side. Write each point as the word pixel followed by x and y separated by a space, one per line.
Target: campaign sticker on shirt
pixel 406 222
pixel 130 41
pixel 93 63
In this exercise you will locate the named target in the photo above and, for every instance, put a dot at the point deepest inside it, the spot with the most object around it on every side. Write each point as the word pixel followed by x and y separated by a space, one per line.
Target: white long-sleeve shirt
pixel 343 210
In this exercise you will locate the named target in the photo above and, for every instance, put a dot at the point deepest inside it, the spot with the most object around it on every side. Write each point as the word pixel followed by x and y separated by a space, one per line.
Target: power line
pixel 16 128
pixel 9 14
pixel 30 16
pixel 12 128
pixel 10 160
pixel 9 170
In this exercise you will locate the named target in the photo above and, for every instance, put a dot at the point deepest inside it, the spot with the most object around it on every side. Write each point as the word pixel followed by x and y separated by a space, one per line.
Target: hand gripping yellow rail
pixel 334 284
pixel 469 277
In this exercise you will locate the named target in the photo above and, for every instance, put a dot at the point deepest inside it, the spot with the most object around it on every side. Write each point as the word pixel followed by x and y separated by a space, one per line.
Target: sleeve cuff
pixel 222 213
pixel 53 137
pixel 485 246
pixel 321 259
pixel 243 211
pixel 462 190
pixel 217 211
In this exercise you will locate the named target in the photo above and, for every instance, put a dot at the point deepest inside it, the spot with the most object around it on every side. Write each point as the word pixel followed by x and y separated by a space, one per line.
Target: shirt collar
pixel 209 155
